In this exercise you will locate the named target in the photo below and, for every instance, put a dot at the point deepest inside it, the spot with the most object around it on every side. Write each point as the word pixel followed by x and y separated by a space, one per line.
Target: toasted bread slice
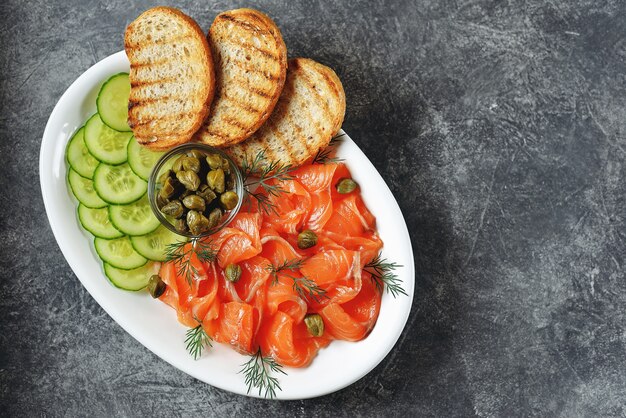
pixel 308 114
pixel 171 76
pixel 251 65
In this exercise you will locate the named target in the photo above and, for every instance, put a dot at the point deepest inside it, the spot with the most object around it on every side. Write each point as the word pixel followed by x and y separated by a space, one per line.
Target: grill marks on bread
pixel 308 114
pixel 172 77
pixel 251 64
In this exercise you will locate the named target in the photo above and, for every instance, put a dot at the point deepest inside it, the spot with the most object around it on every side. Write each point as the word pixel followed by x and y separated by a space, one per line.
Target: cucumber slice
pixel 119 253
pixel 112 102
pixel 104 143
pixel 97 222
pixel 117 184
pixel 78 156
pixel 84 191
pixel 134 219
pixel 153 245
pixel 135 279
pixel 141 159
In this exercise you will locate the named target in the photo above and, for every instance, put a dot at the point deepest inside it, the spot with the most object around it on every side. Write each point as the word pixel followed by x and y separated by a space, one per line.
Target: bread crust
pixel 308 114
pixel 261 76
pixel 151 128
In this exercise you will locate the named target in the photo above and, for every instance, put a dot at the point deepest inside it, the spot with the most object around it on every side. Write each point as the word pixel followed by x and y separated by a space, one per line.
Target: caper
pixel 314 324
pixel 214 217
pixel 229 200
pixel 163 177
pixel 206 193
pixel 214 161
pixel 191 164
pixel 307 239
pixel 181 226
pixel 161 201
pixel 178 164
pixel 225 165
pixel 196 154
pixel 194 202
pixel 233 272
pixel 216 181
pixel 171 187
pixel 346 186
pixel 197 222
pixel 173 208
pixel 156 286
pixel 189 179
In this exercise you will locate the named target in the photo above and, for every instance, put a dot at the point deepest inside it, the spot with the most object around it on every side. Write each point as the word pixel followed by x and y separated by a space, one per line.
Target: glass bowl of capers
pixel 195 190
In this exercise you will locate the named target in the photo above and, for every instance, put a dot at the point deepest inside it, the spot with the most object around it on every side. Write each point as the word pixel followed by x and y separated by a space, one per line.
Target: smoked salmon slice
pixel 264 307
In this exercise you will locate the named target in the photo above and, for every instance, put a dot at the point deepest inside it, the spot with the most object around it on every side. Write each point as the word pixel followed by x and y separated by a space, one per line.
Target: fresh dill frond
pixel 307 288
pixel 303 286
pixel 257 372
pixel 196 340
pixel 181 256
pixel 382 273
pixel 323 155
pixel 292 265
pixel 257 172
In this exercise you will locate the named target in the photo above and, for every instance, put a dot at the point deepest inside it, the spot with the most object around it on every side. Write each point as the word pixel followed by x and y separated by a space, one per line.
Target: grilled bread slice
pixel 171 75
pixel 308 114
pixel 251 65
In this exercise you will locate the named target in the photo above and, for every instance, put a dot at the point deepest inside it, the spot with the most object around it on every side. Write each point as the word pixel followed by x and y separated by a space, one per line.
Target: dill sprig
pixel 382 274
pixel 196 339
pixel 257 172
pixel 292 265
pixel 257 374
pixel 323 155
pixel 181 256
pixel 303 286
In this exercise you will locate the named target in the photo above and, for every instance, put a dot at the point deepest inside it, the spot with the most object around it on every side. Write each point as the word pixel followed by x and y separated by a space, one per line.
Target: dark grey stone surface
pixel 500 126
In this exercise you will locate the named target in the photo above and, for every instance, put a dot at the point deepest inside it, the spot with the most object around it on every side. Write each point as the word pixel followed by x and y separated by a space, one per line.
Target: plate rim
pixel 47 183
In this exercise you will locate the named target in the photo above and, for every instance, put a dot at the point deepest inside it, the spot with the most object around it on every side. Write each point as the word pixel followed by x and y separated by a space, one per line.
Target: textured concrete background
pixel 500 126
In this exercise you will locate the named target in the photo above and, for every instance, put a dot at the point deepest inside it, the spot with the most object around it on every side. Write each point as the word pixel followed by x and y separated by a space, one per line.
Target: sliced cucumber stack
pixel 78 156
pixel 117 184
pixel 153 245
pixel 112 102
pixel 135 279
pixel 104 143
pixel 119 253
pixel 108 173
pixel 97 222
pixel 134 219
pixel 141 159
pixel 83 191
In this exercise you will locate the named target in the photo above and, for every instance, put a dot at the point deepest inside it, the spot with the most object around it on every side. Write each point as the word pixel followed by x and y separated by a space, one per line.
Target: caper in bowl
pixel 195 190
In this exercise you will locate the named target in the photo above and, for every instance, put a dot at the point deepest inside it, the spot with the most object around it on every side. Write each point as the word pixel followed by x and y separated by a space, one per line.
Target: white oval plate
pixel 154 324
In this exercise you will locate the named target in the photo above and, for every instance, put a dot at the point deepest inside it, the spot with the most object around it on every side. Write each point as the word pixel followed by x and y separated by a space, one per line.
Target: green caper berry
pixel 178 164
pixel 225 165
pixel 173 208
pixel 191 164
pixel 170 188
pixel 314 324
pixel 214 161
pixel 346 186
pixel 214 217
pixel 229 200
pixel 216 181
pixel 197 222
pixel 307 239
pixel 196 154
pixel 189 179
pixel 194 202
pixel 164 176
pixel 206 193
pixel 161 201
pixel 181 226
pixel 233 272
pixel 156 286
